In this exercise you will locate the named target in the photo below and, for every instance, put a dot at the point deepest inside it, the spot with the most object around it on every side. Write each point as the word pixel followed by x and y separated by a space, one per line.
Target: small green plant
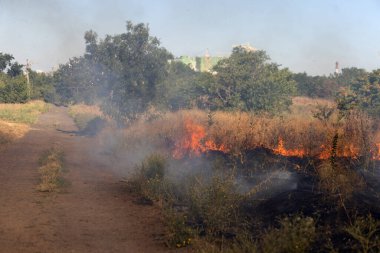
pixel 366 234
pixel 148 180
pixel 295 235
pixel 179 233
pixel 51 166
pixel 215 206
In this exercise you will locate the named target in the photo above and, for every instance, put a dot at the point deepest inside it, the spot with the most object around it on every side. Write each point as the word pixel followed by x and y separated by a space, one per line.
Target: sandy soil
pixel 94 213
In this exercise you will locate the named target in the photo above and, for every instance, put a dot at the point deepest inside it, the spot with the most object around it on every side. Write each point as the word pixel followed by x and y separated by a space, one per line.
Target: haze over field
pixel 302 35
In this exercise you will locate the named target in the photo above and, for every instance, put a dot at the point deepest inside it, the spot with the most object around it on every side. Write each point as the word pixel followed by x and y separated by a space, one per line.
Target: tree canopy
pixel 364 94
pixel 247 81
pixel 123 69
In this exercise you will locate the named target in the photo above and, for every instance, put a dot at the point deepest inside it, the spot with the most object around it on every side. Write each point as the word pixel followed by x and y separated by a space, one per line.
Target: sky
pixel 302 35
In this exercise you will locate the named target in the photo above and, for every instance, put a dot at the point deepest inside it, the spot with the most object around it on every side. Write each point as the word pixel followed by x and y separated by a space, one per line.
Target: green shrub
pixel 13 90
pixel 215 206
pixel 179 233
pixel 295 235
pixel 148 180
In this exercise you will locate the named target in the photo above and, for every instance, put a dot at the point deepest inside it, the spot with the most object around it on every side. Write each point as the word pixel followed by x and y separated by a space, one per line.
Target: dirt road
pixel 94 213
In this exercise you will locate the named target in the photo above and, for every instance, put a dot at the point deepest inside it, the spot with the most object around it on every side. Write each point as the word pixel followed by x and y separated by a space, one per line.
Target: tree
pixel 76 81
pixel 15 69
pixel 132 64
pixel 177 90
pixel 5 61
pixel 42 86
pixel 350 76
pixel 364 94
pixel 13 87
pixel 246 81
pixel 13 90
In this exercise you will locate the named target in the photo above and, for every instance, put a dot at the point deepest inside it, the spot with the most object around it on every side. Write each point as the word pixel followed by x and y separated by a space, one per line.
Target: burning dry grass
pixel 191 132
pixel 215 213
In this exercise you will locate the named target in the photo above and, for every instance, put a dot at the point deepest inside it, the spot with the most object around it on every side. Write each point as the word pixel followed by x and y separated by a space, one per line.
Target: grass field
pixel 16 118
pixel 22 113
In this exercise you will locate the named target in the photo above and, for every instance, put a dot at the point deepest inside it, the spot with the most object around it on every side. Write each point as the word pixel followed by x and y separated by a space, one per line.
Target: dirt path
pixel 93 214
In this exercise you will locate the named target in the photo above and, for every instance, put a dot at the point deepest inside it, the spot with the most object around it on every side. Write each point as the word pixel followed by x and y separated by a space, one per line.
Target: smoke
pixel 49 32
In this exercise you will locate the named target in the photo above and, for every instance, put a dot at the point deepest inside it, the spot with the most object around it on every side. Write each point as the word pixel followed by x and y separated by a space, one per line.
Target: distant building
pixel 200 63
pixel 337 69
pixel 206 63
pixel 247 47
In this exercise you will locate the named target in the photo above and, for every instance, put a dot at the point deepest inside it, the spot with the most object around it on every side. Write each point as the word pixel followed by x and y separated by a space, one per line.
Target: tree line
pixel 130 72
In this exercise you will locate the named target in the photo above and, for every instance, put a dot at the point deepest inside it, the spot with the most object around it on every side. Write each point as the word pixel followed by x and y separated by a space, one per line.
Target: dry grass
pixel 51 170
pixel 85 109
pixel 305 106
pixel 23 113
pixel 82 114
pixel 15 118
pixel 11 131
pixel 239 132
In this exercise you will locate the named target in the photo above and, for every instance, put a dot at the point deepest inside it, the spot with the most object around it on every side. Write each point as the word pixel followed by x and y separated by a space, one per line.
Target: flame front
pixel 194 141
pixel 281 150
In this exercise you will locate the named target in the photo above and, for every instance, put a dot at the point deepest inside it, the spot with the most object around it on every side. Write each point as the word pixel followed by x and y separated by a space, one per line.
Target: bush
pixel 13 90
pixel 295 235
pixel 148 180
pixel 179 234
pixel 366 234
pixel 215 207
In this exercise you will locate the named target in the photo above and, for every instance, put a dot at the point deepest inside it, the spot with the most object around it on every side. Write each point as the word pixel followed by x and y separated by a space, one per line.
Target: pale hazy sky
pixel 303 35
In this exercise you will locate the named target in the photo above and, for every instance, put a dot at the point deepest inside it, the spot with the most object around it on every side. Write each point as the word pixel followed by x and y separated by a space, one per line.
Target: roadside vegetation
pixel 26 113
pixel 238 195
pixel 246 157
pixel 15 119
pixel 51 170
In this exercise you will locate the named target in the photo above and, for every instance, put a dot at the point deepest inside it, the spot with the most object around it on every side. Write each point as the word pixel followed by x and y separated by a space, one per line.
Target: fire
pixel 194 141
pixel 281 150
pixel 376 156
pixel 326 153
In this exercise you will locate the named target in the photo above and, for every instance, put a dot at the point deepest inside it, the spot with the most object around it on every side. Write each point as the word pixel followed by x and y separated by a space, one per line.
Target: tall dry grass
pixel 23 113
pixel 240 132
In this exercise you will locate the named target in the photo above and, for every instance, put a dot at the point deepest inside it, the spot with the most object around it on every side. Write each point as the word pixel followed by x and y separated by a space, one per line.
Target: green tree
pixel 316 86
pixel 246 81
pixel 132 65
pixel 42 86
pixel 15 69
pixel 350 76
pixel 177 90
pixel 13 90
pixel 13 87
pixel 5 61
pixel 364 94
pixel 76 81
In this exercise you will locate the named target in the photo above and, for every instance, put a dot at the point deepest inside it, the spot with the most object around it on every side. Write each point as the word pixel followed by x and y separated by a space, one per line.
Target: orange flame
pixel 376 155
pixel 194 143
pixel 281 150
